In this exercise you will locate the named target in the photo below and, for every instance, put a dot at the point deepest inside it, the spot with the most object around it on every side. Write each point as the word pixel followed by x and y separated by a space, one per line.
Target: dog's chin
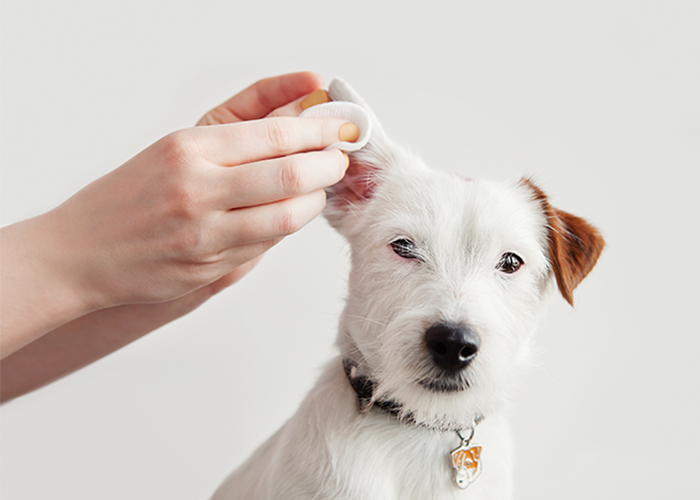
pixel 437 403
pixel 444 384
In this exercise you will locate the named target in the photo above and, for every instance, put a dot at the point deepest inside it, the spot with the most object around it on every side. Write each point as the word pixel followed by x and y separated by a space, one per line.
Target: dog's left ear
pixel 367 166
pixel 574 245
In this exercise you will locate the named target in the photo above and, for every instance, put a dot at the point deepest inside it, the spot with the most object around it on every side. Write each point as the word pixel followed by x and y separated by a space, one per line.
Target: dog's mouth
pixel 444 384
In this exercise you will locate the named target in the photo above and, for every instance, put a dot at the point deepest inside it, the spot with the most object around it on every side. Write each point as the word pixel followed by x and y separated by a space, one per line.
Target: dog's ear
pixel 366 168
pixel 574 245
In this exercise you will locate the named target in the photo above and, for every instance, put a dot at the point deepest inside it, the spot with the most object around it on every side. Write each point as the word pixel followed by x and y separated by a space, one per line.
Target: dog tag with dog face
pixel 466 460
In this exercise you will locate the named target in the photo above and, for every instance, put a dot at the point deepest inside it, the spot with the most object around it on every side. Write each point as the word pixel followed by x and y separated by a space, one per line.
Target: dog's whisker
pixel 356 316
pixel 542 369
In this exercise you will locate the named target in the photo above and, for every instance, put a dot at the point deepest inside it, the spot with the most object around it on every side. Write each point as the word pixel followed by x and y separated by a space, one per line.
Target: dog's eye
pixel 509 263
pixel 405 248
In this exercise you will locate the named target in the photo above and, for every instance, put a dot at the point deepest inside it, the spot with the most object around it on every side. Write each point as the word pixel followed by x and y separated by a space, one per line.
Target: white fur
pixel 329 449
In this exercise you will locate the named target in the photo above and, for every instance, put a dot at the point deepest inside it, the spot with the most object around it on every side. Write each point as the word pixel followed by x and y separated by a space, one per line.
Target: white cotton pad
pixel 348 111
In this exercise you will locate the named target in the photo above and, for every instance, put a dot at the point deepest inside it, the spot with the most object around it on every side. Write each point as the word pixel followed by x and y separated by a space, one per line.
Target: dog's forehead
pixel 444 204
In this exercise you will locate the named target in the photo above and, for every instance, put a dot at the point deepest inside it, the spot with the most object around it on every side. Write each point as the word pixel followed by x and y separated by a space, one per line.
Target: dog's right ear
pixel 347 198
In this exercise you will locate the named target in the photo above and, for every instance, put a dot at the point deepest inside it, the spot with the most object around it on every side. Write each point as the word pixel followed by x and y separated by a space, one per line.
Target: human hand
pixel 196 205
pixel 286 95
pixel 181 215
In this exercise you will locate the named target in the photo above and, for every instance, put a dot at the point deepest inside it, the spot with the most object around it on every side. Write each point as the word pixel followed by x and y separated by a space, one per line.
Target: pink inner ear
pixel 358 183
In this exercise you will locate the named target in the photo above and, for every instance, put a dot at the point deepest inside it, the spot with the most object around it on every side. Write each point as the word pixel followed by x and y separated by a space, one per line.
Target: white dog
pixel 449 280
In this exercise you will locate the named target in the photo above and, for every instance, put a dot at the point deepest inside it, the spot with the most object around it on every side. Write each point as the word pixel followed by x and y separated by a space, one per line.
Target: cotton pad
pixel 348 111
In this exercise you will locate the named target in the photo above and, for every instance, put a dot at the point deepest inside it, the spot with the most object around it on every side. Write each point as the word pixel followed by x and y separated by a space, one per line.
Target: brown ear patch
pixel 574 245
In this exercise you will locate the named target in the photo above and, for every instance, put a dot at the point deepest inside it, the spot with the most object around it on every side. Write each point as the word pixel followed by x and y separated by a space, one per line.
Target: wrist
pixel 40 291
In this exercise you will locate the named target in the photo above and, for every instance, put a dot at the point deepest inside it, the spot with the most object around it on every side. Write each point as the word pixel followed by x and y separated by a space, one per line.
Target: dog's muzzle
pixel 452 346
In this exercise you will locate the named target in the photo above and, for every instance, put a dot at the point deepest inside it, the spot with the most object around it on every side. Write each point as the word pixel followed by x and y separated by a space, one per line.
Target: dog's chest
pixel 374 456
pixel 394 461
pixel 330 450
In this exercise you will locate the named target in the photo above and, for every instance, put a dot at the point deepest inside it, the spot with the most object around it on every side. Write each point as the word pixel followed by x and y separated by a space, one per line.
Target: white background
pixel 598 99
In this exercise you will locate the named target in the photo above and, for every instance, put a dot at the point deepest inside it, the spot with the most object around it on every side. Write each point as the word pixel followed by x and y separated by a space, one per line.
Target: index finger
pixel 263 97
pixel 246 142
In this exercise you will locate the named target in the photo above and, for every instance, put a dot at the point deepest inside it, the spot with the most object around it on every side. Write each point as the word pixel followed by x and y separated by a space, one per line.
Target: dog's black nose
pixel 452 346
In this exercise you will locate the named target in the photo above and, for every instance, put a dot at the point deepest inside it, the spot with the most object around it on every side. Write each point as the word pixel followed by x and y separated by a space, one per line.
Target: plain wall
pixel 596 99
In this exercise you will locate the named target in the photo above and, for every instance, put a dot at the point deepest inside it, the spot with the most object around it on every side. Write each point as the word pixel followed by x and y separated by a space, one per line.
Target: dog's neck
pixel 364 388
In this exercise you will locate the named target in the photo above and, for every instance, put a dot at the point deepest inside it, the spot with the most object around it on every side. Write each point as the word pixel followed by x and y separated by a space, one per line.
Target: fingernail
pixel 348 132
pixel 347 160
pixel 316 97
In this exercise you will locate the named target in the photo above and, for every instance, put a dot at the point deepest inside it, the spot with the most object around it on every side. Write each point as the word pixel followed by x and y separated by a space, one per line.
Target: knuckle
pixel 192 244
pixel 291 175
pixel 278 135
pixel 188 243
pixel 182 200
pixel 288 221
pixel 180 148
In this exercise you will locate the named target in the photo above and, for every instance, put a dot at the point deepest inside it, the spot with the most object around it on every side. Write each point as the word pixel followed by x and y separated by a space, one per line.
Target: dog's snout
pixel 452 346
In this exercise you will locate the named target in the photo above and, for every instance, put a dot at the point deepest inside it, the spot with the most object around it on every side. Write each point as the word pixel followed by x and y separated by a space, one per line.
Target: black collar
pixel 364 388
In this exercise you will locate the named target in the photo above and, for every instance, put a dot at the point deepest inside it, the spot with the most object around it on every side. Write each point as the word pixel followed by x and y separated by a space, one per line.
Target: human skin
pixel 159 235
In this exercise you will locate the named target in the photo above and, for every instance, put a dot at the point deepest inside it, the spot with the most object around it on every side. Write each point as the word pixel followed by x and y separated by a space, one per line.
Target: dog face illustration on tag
pixel 467 464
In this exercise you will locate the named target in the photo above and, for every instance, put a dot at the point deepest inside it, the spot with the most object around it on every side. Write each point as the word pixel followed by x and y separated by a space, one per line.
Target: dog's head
pixel 449 278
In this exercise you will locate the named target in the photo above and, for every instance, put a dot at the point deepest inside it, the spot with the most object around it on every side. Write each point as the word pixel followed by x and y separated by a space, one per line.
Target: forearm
pixel 94 336
pixel 37 292
pixel 83 341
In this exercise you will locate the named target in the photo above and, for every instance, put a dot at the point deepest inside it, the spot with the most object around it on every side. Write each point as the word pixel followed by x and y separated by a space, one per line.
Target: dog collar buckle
pixel 466 460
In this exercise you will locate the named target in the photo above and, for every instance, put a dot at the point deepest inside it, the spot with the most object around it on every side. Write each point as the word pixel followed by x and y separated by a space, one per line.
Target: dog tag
pixel 466 461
